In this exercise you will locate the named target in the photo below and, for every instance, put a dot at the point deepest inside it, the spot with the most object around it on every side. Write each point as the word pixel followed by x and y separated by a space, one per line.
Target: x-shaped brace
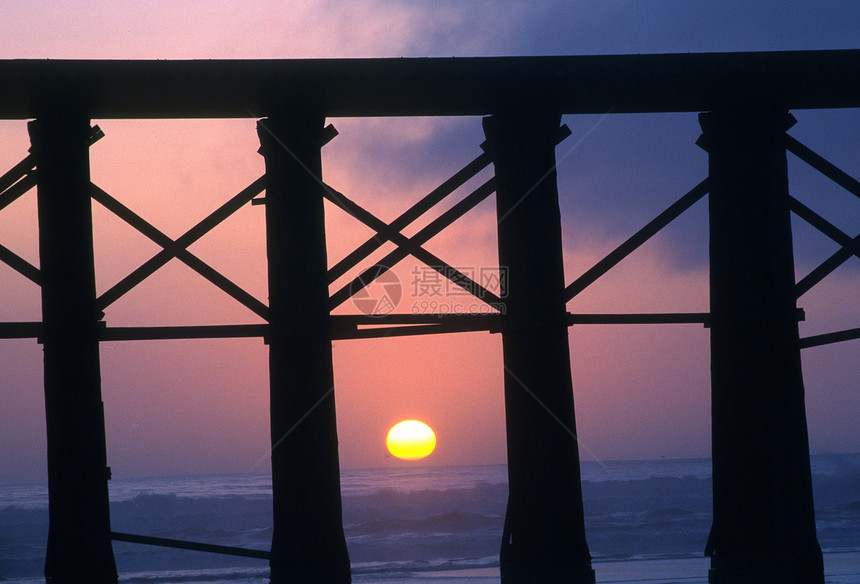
pixel 178 248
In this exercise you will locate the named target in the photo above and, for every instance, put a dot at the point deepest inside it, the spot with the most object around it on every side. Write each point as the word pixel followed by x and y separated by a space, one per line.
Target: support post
pixel 544 536
pixel 79 546
pixel 308 543
pixel 764 524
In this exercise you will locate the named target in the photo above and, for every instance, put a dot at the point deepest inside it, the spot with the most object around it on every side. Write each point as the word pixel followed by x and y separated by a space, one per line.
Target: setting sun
pixel 411 440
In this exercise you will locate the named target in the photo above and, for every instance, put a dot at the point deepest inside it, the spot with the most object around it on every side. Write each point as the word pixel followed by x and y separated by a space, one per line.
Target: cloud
pixel 376 28
pixel 651 382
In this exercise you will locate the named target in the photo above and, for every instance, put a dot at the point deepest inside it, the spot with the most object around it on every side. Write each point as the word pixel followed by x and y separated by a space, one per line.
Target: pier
pixel 759 435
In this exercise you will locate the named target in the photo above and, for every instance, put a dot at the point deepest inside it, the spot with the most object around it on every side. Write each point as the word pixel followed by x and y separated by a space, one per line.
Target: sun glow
pixel 411 440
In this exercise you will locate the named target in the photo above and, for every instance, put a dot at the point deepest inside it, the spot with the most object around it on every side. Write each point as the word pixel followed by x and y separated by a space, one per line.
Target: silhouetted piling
pixel 544 535
pixel 308 543
pixel 79 547
pixel 764 525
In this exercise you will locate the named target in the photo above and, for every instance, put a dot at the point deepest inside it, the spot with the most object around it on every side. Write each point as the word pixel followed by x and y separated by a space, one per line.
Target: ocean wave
pixel 197 576
pixel 424 566
pixel 480 493
pixel 443 523
pixel 454 523
pixel 850 507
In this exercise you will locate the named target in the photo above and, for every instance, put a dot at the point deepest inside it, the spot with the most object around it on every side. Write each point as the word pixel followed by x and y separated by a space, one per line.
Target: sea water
pixel 646 521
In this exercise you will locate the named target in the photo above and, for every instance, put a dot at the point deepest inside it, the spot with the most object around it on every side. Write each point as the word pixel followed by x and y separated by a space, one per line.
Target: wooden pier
pixel 760 444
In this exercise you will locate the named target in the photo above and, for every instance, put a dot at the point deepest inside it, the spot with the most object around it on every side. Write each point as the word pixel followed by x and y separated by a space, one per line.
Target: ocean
pixel 646 521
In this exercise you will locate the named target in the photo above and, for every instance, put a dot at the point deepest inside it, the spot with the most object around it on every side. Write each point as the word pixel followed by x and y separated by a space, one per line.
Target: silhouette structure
pixel 763 527
pixel 308 543
pixel 544 534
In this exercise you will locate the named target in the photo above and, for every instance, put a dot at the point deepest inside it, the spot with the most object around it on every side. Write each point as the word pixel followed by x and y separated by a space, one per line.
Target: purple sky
pixel 197 407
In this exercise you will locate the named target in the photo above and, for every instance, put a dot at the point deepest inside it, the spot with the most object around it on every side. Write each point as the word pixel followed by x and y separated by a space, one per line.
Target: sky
pixel 189 407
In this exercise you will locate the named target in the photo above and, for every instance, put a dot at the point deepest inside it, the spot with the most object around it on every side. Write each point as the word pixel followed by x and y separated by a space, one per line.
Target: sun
pixel 411 440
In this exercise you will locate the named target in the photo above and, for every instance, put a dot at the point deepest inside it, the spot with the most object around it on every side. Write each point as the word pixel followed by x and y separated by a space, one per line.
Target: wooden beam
pixel 20 330
pixel 428 232
pixel 840 177
pixel 387 233
pixel 376 241
pixel 543 539
pixel 190 545
pixel 653 318
pixel 828 338
pixel 432 87
pixel 175 248
pixel 20 265
pixel 28 163
pixel 637 239
pixel 156 333
pixel 183 255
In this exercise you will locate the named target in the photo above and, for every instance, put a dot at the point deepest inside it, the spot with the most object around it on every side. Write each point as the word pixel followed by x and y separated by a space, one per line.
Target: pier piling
pixel 764 525
pixel 544 535
pixel 308 543
pixel 79 546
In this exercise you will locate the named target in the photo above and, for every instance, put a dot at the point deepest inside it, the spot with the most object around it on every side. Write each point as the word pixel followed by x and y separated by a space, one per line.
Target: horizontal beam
pixel 191 545
pixel 20 330
pixel 647 318
pixel 430 86
pixel 406 331
pixel 157 333
pixel 349 326
pixel 401 319
pixel 453 323
pixel 33 330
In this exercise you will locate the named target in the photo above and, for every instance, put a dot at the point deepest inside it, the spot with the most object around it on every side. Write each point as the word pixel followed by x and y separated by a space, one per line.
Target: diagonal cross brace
pixel 16 190
pixel 828 338
pixel 406 218
pixel 17 172
pixel 28 163
pixel 183 255
pixel 816 161
pixel 425 204
pixel 420 238
pixel 408 246
pixel 827 267
pixel 457 180
pixel 13 184
pixel 178 248
pixel 20 265
pixel 850 246
pixel 822 224
pixel 637 239
pixel 179 245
